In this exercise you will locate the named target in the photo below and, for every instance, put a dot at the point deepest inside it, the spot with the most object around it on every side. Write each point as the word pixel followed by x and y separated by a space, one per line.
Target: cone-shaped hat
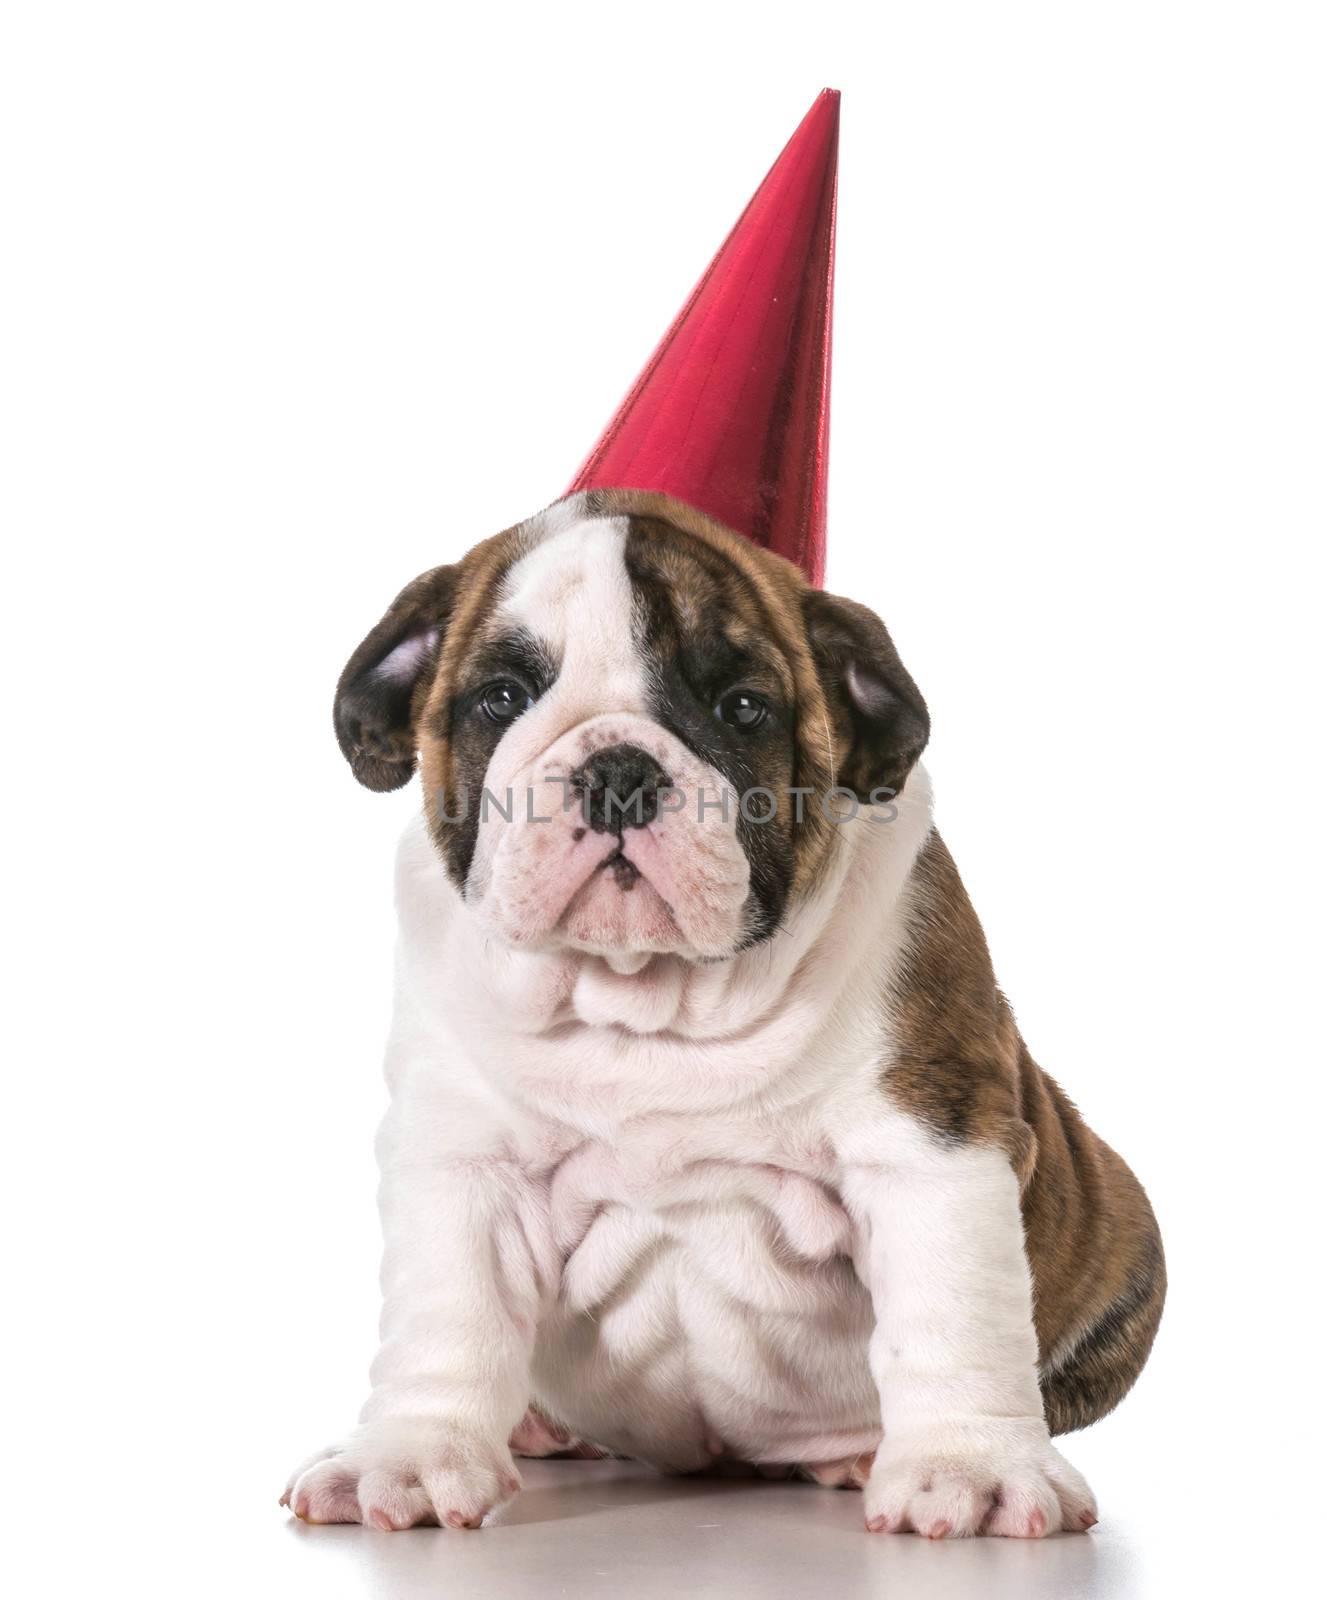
pixel 731 413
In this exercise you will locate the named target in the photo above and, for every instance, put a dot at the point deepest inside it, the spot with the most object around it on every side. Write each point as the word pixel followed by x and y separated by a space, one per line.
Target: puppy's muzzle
pixel 619 788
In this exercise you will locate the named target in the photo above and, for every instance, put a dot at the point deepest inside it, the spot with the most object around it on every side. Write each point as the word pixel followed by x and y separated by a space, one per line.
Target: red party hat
pixel 731 413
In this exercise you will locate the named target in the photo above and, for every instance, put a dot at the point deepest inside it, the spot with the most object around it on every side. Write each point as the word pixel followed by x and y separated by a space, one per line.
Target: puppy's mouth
pixel 618 907
pixel 626 874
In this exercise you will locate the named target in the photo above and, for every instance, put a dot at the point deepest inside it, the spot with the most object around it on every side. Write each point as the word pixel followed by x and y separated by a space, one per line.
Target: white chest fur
pixel 675 1131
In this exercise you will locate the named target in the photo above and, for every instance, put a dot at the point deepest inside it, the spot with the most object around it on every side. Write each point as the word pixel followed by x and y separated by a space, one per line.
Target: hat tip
pixel 731 412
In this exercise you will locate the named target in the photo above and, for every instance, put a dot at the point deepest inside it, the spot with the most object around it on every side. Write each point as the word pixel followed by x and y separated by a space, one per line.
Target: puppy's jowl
pixel 711 1137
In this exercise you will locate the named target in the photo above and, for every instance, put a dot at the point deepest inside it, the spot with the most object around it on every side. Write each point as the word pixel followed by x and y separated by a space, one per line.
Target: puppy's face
pixel 628 721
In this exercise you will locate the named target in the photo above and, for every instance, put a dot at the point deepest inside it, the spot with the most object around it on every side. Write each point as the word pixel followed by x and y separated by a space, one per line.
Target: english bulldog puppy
pixel 712 1138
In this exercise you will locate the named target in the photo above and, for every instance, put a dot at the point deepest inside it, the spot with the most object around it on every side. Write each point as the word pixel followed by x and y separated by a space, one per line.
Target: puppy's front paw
pixel 943 1486
pixel 400 1472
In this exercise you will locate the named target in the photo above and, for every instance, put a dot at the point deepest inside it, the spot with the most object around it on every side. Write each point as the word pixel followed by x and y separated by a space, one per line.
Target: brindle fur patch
pixel 455 747
pixel 711 583
pixel 703 634
pixel 960 1065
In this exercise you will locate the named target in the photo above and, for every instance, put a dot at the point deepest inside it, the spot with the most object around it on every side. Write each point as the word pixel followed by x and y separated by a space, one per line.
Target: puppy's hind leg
pixel 849 1472
pixel 536 1436
pixel 1088 1378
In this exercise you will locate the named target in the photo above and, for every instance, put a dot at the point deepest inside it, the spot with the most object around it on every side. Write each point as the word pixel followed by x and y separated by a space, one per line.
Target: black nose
pixel 619 788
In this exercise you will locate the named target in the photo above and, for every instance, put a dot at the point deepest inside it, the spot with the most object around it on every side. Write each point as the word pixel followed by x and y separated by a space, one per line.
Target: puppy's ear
pixel 375 708
pixel 878 710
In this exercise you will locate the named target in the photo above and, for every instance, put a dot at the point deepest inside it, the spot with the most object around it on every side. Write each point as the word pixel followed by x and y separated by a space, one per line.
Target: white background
pixel 302 299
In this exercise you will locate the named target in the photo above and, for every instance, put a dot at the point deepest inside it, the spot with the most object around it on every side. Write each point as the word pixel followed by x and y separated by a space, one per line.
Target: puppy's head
pixel 630 724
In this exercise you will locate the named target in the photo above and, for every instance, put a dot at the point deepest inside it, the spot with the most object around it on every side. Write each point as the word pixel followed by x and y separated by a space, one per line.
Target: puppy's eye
pixel 742 709
pixel 503 702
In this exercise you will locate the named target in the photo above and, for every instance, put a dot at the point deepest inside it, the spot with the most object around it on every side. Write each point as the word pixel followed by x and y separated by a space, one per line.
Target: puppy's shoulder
pixel 954 1052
